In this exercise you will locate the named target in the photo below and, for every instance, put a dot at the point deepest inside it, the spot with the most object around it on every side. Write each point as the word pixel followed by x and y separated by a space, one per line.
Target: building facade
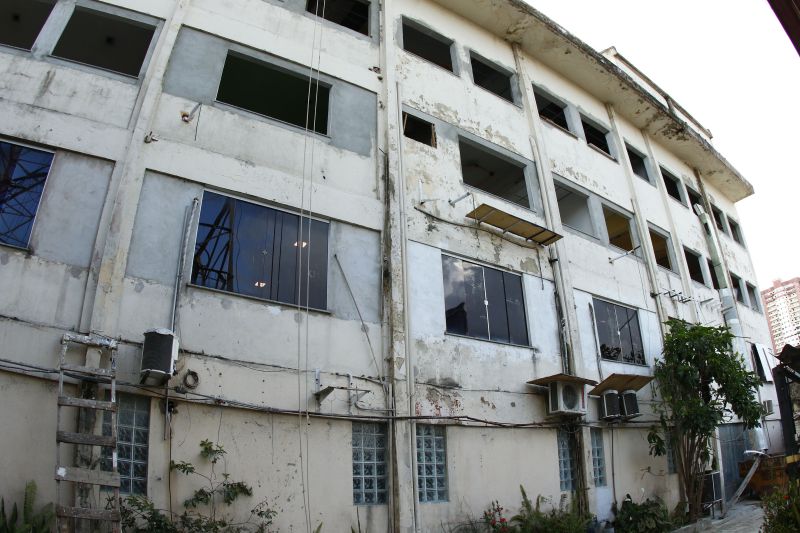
pixel 782 303
pixel 371 225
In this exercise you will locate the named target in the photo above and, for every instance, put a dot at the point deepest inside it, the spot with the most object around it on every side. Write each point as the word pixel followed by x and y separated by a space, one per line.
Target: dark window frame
pixel 35 205
pixel 661 234
pixel 691 196
pixel 590 136
pixel 460 325
pixel 736 230
pixel 429 33
pixel 498 69
pixel 699 267
pixel 669 178
pixel 613 351
pixel 739 290
pixel 43 5
pixel 719 219
pixel 282 265
pixel 544 106
pixel 754 296
pixel 634 154
pixel 713 273
pixel 412 118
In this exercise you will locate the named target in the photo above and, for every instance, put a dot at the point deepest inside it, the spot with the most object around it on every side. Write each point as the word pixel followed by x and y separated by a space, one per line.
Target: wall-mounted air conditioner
pixel 610 405
pixel 629 404
pixel 159 356
pixel 566 398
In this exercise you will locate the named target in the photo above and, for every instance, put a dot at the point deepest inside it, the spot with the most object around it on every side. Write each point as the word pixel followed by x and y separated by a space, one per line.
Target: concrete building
pixel 782 303
pixel 371 225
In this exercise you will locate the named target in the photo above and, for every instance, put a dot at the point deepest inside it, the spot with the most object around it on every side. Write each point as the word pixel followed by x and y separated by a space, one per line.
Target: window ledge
pixel 562 128
pixel 602 152
pixel 93 69
pixel 270 120
pixel 458 336
pixel 677 201
pixel 505 200
pixel 503 98
pixel 640 365
pixel 429 62
pixel 24 249
pixel 260 300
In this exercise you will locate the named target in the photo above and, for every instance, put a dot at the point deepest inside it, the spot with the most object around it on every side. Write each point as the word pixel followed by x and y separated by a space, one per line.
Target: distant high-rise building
pixel 782 302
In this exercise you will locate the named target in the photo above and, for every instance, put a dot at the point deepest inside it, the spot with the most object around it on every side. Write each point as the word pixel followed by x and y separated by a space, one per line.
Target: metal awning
pixel 508 223
pixel 620 383
pixel 563 378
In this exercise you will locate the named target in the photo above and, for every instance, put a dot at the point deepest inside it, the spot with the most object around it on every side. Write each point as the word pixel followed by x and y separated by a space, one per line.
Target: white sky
pixel 730 64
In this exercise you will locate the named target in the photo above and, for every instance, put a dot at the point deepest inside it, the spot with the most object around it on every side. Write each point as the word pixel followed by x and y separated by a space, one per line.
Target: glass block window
pixel 598 458
pixel 431 463
pixel 566 470
pixel 23 172
pixel 133 428
pixel 369 463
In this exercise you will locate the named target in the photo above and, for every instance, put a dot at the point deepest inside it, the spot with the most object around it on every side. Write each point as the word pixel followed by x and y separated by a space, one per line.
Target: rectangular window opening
pixel 598 457
pixel 694 199
pixel 693 261
pixel 757 362
pixel 493 173
pixel 256 251
pixel 753 295
pixel 550 109
pixel 431 463
pixel 618 332
pixel 574 209
pixel 22 20
pixel 427 45
pixel 672 184
pixel 661 249
pixel 369 463
pixel 596 136
pixel 353 14
pixel 418 129
pixel 713 272
pixel 491 78
pixel 23 172
pixel 274 92
pixel 738 288
pixel 619 229
pixel 719 219
pixel 638 163
pixel 483 303
pixel 105 41
pixel 736 231
pixel 133 429
pixel 566 459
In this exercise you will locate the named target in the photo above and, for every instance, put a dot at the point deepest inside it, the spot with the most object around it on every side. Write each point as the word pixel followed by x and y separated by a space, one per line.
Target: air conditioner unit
pixel 566 398
pixel 610 405
pixel 629 404
pixel 769 407
pixel 159 356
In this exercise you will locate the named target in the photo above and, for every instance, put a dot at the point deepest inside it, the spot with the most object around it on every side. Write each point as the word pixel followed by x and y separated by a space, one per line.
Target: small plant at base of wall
pixel 650 516
pixel 782 510
pixel 32 522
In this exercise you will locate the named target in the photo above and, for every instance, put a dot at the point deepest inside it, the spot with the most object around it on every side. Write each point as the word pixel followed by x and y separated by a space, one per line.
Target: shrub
pixel 531 518
pixel 32 522
pixel 650 516
pixel 781 512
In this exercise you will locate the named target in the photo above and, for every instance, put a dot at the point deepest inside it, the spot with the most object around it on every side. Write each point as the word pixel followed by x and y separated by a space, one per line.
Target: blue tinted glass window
pixel 23 172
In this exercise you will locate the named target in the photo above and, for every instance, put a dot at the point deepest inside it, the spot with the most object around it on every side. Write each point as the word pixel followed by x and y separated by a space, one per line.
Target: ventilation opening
pixel 435 49
pixel 420 130
pixel 574 209
pixel 596 136
pixel 105 41
pixel 713 272
pixel 493 173
pixel 551 110
pixel 661 249
pixel 353 14
pixel 672 185
pixel 22 20
pixel 274 92
pixel 694 199
pixel 619 229
pixel 491 78
pixel 695 268
pixel 638 164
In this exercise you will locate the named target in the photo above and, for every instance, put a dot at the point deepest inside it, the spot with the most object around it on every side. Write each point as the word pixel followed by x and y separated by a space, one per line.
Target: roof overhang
pixel 539 36
pixel 562 378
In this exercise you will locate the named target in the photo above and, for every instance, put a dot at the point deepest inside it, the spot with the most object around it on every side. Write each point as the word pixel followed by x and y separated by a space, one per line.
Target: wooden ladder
pixel 72 474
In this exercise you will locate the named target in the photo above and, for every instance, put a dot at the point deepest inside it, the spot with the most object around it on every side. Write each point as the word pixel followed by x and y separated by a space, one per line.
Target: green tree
pixel 701 381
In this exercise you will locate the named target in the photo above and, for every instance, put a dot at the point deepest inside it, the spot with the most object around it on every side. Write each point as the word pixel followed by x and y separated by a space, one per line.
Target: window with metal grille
pixel 22 20
pixel 598 458
pixel 618 332
pixel 369 463
pixel 596 135
pixel 133 428
pixel 551 110
pixel 483 302
pixel 431 463
pixel 262 252
pixel 566 452
pixel 23 172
